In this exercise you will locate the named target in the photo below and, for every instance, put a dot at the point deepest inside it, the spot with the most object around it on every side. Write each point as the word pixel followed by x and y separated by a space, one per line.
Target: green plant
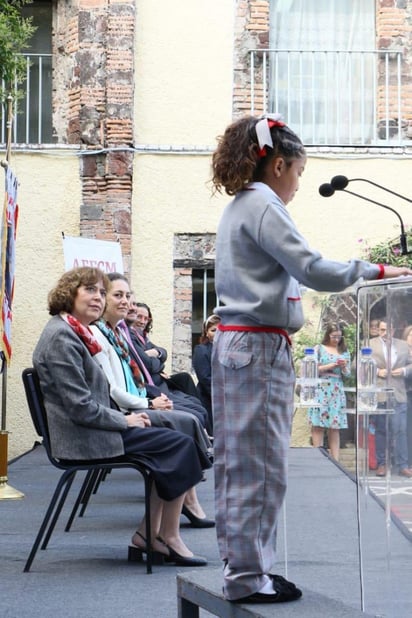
pixel 303 339
pixel 15 34
pixel 387 252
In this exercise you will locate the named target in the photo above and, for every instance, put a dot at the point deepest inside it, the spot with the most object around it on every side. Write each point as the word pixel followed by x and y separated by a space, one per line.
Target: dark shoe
pixel 197 522
pixel 282 581
pixel 406 472
pixel 178 560
pixel 381 471
pixel 284 592
pixel 136 552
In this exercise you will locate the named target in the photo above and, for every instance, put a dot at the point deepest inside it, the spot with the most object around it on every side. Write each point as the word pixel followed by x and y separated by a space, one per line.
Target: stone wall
pixel 251 32
pixel 94 50
pixel 393 31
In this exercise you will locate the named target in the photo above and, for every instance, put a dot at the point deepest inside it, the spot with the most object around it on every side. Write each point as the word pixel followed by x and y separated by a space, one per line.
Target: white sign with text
pixel 101 254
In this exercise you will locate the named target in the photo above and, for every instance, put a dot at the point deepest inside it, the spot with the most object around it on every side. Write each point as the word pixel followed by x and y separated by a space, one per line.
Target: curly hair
pixel 237 159
pixel 62 296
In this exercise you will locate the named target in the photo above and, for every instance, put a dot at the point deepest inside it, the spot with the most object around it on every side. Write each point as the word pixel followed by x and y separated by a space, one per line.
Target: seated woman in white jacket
pixel 127 387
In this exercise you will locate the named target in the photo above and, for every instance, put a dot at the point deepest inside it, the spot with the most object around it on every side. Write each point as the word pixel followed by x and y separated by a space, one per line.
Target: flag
pixel 8 258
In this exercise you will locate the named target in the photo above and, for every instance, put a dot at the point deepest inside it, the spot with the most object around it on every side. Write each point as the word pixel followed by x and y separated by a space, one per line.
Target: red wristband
pixel 381 271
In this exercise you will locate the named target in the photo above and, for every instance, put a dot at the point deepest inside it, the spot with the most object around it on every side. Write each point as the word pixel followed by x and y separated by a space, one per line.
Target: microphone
pixel 328 189
pixel 339 183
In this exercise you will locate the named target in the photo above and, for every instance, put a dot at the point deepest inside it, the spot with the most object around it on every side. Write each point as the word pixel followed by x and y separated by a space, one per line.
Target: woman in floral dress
pixel 333 364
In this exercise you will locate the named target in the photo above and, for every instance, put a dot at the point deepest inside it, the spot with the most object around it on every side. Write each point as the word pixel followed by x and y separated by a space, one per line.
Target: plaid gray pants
pixel 252 391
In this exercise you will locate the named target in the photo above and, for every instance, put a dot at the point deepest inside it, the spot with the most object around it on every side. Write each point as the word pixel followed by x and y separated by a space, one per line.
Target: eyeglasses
pixel 335 336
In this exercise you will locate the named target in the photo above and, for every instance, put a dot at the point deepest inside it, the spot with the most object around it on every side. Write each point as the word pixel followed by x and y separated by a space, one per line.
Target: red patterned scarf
pixel 83 332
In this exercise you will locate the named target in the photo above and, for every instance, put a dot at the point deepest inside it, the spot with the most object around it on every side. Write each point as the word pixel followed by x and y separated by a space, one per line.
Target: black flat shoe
pixel 283 582
pixel 179 560
pixel 197 522
pixel 284 591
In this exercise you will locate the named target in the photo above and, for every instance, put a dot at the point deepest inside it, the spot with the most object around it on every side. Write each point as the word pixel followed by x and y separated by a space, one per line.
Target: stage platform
pixel 85 573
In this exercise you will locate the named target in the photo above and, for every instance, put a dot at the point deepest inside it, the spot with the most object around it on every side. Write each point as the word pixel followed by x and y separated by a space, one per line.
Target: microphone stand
pixel 403 237
pixel 339 183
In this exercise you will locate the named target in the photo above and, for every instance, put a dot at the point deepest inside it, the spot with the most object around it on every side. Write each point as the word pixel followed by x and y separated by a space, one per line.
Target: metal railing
pixel 328 97
pixel 32 110
pixel 332 97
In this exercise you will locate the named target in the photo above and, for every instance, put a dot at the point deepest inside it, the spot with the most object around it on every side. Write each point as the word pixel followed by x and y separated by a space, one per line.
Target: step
pixel 203 589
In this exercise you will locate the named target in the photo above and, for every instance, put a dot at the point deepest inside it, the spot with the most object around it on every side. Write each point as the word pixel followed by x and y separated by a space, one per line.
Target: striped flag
pixel 8 251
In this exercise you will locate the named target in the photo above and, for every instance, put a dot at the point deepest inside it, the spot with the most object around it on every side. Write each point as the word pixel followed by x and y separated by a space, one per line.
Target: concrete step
pixel 347 458
pixel 203 589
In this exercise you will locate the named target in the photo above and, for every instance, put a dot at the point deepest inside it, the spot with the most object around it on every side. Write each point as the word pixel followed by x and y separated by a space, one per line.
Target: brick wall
pixel 94 50
pixel 393 31
pixel 251 32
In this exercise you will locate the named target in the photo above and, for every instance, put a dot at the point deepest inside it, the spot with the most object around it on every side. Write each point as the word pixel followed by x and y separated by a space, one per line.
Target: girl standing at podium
pixel 260 260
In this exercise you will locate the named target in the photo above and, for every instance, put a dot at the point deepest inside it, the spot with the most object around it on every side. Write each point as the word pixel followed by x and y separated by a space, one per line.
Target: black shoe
pixel 197 522
pixel 284 592
pixel 178 560
pixel 136 552
pixel 282 581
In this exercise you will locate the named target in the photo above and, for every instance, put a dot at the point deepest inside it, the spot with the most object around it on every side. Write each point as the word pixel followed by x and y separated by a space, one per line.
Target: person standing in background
pixel 374 328
pixel 393 354
pixel 333 365
pixel 407 336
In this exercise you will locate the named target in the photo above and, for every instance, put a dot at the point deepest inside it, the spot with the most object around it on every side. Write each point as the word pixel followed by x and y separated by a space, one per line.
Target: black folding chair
pixel 94 470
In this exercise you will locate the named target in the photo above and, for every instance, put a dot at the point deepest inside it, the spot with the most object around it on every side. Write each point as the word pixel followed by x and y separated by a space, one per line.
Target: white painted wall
pixel 49 200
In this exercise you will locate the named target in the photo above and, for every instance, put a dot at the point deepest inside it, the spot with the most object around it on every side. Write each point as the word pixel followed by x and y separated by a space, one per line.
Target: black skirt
pixel 174 459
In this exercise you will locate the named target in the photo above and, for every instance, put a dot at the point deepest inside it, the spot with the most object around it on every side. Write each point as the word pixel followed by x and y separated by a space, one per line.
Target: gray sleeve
pixel 280 238
pixel 61 365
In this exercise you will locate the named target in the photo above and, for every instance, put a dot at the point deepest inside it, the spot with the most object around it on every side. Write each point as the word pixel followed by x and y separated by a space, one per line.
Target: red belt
pixel 256 329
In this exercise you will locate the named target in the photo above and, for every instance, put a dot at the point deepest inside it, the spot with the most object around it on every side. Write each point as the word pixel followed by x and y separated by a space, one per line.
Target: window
pixel 33 120
pixel 323 69
pixel 194 292
pixel 203 299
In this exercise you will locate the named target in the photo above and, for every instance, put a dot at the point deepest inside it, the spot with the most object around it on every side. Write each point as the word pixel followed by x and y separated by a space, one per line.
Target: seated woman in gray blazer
pixel 84 425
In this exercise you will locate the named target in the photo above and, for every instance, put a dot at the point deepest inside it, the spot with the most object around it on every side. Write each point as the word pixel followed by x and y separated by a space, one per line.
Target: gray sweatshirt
pixel 261 258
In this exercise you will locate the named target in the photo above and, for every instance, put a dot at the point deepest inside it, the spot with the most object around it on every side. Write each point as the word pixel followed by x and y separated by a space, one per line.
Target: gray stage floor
pixel 85 573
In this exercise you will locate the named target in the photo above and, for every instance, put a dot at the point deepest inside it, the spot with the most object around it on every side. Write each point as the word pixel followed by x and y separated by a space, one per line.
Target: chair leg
pixel 88 479
pixel 92 489
pixel 65 482
pixel 148 484
pixel 58 511
pixel 102 477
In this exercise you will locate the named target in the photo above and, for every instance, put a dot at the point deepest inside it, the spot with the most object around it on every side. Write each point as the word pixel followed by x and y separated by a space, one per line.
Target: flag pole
pixel 6 491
